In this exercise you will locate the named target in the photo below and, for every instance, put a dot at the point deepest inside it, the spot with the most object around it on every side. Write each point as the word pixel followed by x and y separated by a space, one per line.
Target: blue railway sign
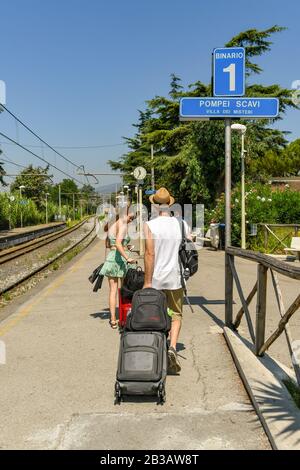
pixel 194 109
pixel 150 191
pixel 229 71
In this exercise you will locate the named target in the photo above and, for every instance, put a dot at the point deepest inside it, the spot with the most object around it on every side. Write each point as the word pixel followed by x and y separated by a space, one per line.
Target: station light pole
pixel 127 191
pixel 46 195
pixel 59 201
pixel 242 129
pixel 21 210
pixel 152 169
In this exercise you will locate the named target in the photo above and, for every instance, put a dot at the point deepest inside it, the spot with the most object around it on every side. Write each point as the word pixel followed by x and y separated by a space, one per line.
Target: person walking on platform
pixel 162 270
pixel 115 265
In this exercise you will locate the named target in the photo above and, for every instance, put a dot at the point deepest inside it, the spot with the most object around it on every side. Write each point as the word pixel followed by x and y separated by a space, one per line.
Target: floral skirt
pixel 115 265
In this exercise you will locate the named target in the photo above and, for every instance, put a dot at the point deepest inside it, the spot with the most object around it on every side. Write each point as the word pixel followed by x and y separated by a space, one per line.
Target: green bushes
pixel 263 205
pixel 11 209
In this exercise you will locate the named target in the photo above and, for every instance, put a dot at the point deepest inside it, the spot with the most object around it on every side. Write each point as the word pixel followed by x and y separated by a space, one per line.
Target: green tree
pixel 68 187
pixel 88 190
pixel 292 154
pixel 36 182
pixel 189 156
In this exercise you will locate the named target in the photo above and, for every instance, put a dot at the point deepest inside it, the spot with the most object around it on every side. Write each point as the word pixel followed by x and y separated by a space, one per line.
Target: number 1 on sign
pixel 231 70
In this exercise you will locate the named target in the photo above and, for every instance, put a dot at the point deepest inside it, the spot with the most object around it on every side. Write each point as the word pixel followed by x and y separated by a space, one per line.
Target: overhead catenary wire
pixel 12 162
pixel 38 137
pixel 9 160
pixel 76 147
pixel 41 158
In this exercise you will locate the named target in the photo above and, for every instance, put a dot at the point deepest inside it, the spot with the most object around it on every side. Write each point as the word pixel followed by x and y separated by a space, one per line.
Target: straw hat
pixel 162 196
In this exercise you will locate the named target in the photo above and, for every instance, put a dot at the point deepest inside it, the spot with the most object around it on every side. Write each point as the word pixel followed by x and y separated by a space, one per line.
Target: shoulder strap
pixel 182 234
pixel 183 283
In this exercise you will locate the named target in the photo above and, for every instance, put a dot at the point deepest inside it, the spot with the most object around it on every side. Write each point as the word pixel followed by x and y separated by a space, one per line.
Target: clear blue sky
pixel 77 71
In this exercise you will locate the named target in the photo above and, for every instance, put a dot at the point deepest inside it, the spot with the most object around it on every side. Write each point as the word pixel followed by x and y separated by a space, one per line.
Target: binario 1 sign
pixel 229 71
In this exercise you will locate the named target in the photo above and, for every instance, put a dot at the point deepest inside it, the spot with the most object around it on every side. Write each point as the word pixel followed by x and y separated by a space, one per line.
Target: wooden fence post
pixel 261 304
pixel 228 292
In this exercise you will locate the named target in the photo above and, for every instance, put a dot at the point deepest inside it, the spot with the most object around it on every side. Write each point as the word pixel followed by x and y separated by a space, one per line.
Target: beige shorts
pixel 175 302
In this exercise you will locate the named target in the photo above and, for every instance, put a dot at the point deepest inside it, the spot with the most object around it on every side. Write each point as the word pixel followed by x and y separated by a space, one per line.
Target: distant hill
pixel 108 188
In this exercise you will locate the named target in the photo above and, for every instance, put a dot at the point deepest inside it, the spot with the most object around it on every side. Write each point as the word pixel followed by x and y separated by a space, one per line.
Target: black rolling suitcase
pixel 142 365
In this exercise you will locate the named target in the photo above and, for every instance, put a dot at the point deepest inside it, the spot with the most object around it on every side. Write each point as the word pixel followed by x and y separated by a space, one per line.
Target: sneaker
pixel 174 366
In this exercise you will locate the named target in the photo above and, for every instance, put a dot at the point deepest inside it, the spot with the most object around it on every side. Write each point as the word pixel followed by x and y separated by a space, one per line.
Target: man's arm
pixel 149 256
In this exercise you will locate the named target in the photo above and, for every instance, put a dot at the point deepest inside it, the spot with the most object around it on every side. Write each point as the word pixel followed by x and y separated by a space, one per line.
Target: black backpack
pixel 149 311
pixel 188 256
pixel 133 281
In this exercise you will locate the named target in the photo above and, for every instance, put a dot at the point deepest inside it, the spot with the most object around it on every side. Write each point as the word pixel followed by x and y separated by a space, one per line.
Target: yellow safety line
pixel 26 310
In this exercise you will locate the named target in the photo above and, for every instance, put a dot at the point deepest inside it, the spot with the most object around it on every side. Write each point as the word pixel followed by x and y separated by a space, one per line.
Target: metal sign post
pixel 243 206
pixel 227 182
pixel 139 173
pixel 141 244
pixel 228 275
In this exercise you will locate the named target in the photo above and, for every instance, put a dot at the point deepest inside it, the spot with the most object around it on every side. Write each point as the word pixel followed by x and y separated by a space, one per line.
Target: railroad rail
pixel 49 262
pixel 24 248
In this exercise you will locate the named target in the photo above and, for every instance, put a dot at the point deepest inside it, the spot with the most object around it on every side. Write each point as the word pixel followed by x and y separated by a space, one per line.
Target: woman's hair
pixel 117 216
pixel 110 222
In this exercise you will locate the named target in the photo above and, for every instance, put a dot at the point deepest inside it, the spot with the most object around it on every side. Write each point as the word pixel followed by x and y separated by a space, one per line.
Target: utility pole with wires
pixel 59 201
pixel 73 206
pixel 152 169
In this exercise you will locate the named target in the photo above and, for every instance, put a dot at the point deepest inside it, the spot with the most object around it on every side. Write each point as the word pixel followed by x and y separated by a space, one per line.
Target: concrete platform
pixel 60 371
pixel 275 407
pixel 19 235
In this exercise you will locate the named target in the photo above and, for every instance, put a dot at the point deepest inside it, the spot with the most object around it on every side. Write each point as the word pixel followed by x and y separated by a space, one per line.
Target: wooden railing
pixel 269 231
pixel 265 263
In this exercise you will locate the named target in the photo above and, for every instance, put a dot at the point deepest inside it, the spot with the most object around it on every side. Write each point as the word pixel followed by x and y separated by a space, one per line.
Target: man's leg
pixel 174 301
pixel 175 330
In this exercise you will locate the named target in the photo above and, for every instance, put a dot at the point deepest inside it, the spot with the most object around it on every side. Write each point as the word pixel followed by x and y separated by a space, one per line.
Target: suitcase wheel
pixel 161 394
pixel 118 394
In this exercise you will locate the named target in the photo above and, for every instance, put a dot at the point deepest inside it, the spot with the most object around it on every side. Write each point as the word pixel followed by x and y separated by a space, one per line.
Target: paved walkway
pixel 57 384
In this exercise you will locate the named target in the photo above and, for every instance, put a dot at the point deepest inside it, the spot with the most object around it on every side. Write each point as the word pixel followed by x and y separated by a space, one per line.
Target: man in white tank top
pixel 162 271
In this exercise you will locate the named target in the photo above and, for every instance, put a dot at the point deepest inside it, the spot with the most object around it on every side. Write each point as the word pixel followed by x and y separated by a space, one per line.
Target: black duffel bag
pixel 188 256
pixel 133 281
pixel 96 276
pixel 149 311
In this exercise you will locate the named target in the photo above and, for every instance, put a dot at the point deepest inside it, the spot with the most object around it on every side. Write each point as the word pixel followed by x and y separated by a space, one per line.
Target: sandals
pixel 113 324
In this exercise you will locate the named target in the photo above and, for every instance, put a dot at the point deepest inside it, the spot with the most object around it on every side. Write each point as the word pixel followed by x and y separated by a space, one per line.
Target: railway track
pixel 48 263
pixel 24 248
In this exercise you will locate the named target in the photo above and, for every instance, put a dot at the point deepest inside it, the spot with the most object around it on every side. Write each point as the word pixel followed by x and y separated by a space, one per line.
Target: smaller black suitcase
pixel 142 365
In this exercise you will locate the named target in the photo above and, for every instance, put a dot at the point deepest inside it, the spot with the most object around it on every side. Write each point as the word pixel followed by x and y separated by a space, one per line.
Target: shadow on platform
pixel 202 302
